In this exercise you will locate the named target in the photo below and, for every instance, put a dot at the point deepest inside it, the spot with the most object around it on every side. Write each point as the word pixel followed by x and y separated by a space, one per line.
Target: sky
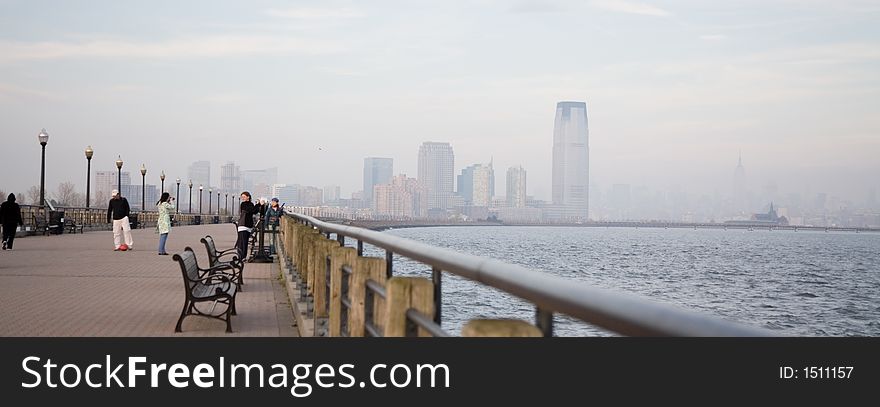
pixel 674 89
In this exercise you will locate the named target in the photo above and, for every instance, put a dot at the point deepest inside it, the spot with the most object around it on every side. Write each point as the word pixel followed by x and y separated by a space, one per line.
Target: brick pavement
pixel 76 285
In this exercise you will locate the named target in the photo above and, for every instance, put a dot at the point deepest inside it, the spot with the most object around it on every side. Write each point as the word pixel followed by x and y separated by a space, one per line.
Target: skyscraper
pixel 516 187
pixel 377 171
pixel 200 173
pixel 331 194
pixel 476 184
pixel 436 173
pixel 230 178
pixel 571 158
pixel 402 198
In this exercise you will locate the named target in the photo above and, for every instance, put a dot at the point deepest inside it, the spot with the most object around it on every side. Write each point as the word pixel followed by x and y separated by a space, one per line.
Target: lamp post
pixel 218 203
pixel 227 203
pixel 89 153
pixel 162 177
pixel 143 188
pixel 200 198
pixel 178 195
pixel 209 200
pixel 119 179
pixel 190 196
pixel 43 137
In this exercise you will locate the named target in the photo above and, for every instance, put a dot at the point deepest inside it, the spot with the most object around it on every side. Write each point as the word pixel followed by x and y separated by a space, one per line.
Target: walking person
pixel 246 212
pixel 165 206
pixel 118 211
pixel 10 218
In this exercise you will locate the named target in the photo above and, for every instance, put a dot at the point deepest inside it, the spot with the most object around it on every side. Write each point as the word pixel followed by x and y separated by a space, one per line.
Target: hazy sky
pixel 674 89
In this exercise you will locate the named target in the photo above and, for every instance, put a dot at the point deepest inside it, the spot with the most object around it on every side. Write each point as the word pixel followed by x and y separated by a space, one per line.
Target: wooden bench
pixel 205 285
pixel 215 259
pixel 40 225
pixel 72 226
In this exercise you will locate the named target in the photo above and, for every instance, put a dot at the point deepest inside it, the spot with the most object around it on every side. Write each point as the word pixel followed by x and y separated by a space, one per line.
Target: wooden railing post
pixel 339 256
pixel 500 328
pixel 404 293
pixel 372 268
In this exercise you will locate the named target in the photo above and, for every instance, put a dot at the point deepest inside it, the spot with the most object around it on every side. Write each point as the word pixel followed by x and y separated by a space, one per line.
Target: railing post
pixel 360 249
pixel 544 321
pixel 339 256
pixel 437 279
pixel 364 268
pixel 403 293
pixel 499 328
pixel 389 263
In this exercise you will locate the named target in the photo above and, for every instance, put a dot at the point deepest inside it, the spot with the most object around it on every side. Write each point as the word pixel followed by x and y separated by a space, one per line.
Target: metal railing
pixel 617 312
pixel 96 218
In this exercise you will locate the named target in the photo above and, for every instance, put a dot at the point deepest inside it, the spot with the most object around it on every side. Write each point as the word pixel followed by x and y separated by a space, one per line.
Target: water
pixel 795 283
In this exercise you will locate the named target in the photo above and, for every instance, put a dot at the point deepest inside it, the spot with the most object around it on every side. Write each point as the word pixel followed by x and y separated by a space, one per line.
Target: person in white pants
pixel 118 212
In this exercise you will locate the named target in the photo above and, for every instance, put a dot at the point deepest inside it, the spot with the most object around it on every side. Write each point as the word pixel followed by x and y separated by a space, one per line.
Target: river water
pixel 795 283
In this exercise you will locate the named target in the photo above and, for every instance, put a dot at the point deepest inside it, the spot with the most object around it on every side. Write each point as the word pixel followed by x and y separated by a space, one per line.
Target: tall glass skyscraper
pixel 436 173
pixel 571 160
pixel 377 171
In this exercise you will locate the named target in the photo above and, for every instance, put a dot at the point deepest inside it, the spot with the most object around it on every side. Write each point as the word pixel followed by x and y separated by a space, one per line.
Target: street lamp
pixel 218 203
pixel 119 180
pixel 44 138
pixel 89 153
pixel 200 198
pixel 209 200
pixel 178 194
pixel 190 196
pixel 162 177
pixel 143 188
pixel 227 204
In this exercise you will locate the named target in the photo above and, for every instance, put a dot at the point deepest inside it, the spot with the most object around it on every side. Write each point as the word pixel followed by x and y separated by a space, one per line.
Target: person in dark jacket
pixel 246 212
pixel 10 218
pixel 118 212
pixel 273 219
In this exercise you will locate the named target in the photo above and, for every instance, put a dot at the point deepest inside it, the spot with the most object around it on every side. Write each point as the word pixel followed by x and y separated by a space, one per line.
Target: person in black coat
pixel 10 218
pixel 246 212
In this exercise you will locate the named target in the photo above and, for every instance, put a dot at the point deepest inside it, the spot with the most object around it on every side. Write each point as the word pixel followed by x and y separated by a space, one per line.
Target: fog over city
pixel 676 92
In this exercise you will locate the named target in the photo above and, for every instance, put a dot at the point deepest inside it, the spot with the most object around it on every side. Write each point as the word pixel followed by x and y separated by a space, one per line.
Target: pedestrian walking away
pixel 10 218
pixel 165 207
pixel 118 212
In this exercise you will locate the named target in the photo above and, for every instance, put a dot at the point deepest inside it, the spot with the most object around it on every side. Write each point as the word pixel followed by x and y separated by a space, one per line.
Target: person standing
pixel 10 218
pixel 118 211
pixel 273 217
pixel 246 213
pixel 165 206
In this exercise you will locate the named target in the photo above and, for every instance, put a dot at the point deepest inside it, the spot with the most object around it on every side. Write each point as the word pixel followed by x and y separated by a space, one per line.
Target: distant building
pixel 230 178
pixel 259 182
pixel 200 173
pixel 311 196
pixel 476 184
pixel 571 155
pixel 403 198
pixel 377 171
pixel 436 173
pixel 106 182
pixel 516 187
pixel 331 194
pixel 771 218
pixel 287 194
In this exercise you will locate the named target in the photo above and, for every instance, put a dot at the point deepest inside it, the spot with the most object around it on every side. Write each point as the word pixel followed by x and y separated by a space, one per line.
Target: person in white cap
pixel 118 212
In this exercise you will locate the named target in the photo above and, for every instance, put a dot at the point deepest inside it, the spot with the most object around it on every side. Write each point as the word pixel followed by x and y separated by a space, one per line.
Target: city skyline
pixel 790 84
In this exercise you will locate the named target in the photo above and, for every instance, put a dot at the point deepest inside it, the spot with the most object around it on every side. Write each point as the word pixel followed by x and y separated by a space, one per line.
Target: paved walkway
pixel 76 285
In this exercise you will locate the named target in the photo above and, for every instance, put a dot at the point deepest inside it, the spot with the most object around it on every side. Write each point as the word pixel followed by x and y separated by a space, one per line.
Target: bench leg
pixel 183 314
pixel 229 317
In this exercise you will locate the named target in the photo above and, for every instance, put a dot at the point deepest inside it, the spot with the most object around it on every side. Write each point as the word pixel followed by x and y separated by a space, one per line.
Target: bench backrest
pixel 189 267
pixel 211 248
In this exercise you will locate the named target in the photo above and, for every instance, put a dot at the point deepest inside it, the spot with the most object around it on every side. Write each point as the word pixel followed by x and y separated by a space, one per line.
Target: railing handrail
pixel 623 313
